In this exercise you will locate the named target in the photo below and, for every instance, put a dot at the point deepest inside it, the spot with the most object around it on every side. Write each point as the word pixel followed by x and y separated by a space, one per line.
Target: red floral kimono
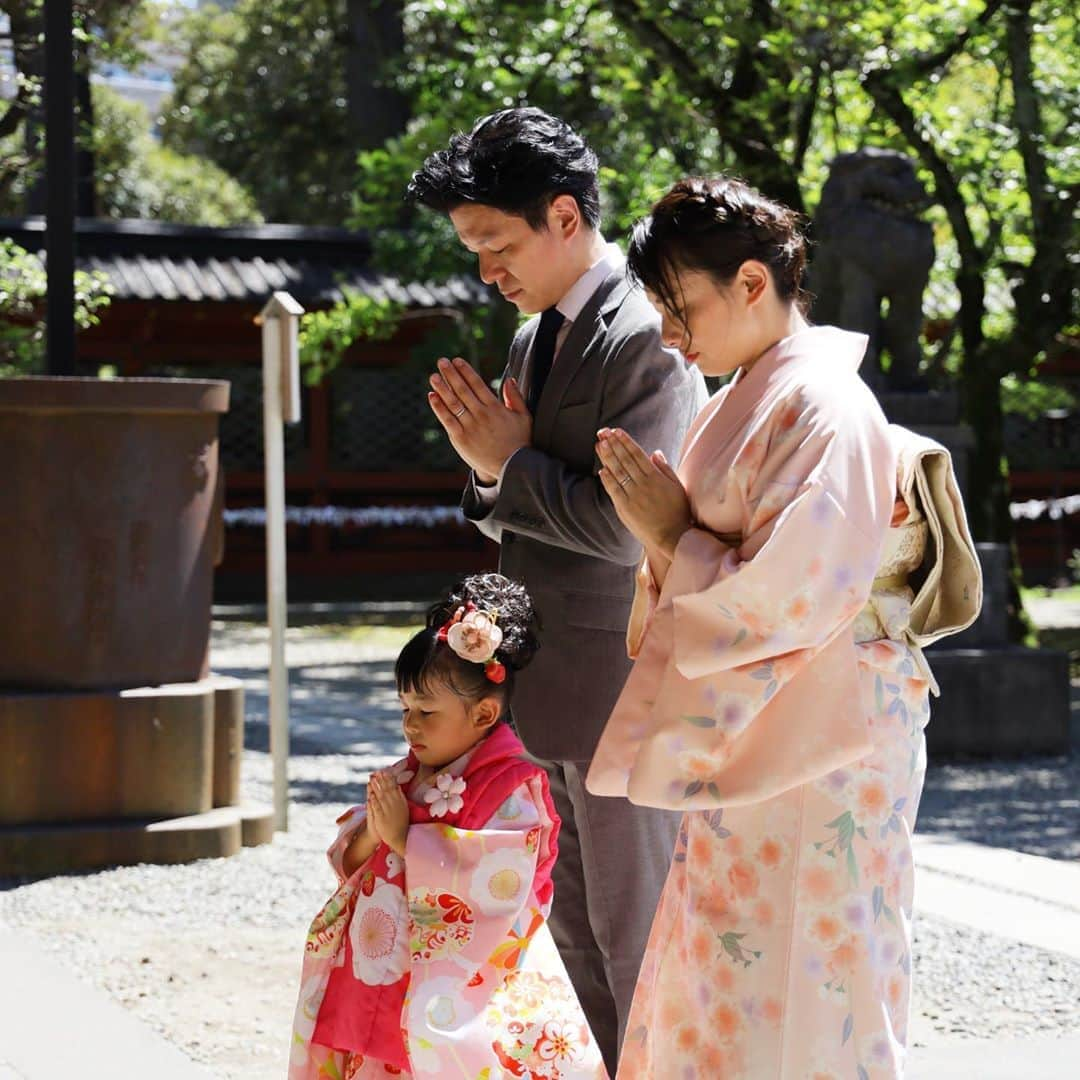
pixel 441 964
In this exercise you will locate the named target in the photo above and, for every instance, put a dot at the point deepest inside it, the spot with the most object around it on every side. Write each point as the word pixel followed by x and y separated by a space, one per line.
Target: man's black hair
pixel 517 161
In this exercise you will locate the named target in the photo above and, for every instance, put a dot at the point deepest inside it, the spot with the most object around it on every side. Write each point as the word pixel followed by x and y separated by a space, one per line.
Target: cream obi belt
pixel 933 539
pixel 887 612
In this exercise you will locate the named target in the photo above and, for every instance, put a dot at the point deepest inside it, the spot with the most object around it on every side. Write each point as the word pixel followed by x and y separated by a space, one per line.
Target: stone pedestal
pixel 146 752
pixel 39 850
pixel 112 777
pixel 997 699
pixel 999 702
pixel 115 745
pixel 228 739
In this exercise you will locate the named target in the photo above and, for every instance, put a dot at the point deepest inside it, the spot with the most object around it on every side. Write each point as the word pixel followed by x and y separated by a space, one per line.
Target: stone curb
pixel 55 1027
pixel 1026 898
pixel 999 1059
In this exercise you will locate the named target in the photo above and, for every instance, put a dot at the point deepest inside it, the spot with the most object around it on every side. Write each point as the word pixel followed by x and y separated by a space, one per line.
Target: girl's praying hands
pixel 388 811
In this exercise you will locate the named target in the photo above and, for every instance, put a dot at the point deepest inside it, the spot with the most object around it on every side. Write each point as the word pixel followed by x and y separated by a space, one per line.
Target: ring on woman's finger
pixel 625 480
pixel 461 412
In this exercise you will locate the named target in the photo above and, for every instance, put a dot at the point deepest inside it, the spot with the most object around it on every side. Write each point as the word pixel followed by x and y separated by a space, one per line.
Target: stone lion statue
pixel 870 247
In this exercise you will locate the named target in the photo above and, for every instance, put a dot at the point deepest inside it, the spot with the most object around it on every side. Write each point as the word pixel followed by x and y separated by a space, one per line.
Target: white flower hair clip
pixel 475 637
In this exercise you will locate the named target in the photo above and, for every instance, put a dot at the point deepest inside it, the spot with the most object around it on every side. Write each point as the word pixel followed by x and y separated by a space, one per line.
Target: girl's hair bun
pixel 426 662
pixel 509 599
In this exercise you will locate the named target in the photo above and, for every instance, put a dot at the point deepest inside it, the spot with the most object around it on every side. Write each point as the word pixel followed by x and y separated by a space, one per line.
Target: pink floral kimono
pixel 778 699
pixel 441 964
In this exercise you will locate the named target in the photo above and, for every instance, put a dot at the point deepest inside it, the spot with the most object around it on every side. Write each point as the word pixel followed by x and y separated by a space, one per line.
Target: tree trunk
pixel 60 188
pixel 27 30
pixel 85 172
pixel 376 39
pixel 987 503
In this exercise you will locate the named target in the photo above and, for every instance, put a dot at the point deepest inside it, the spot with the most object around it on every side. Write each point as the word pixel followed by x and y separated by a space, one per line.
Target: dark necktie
pixel 543 353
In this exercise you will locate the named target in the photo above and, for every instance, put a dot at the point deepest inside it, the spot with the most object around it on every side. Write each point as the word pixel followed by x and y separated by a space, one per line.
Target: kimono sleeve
pixel 470 891
pixel 646 599
pixel 349 824
pixel 818 506
pixel 762 690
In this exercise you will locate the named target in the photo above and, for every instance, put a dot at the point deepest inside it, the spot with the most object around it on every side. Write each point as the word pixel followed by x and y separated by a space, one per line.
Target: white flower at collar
pixel 475 637
pixel 445 795
pixel 401 772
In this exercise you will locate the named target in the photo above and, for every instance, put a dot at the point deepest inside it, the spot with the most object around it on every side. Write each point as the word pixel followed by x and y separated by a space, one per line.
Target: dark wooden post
pixel 60 187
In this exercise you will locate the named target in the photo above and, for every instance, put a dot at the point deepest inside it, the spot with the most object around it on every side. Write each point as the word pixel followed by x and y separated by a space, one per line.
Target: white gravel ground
pixel 209 953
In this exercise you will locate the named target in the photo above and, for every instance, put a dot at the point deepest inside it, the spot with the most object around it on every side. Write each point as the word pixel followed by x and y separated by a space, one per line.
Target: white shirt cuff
pixel 488 493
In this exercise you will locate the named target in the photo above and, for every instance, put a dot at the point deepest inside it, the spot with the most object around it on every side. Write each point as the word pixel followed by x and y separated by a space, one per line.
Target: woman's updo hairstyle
pixel 426 662
pixel 714 225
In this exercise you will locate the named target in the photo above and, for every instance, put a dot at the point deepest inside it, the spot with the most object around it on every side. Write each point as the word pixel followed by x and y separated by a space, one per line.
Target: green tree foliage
pixel 22 308
pixel 133 175
pixel 990 111
pixel 325 336
pixel 262 94
pixel 102 30
pixel 980 92
pixel 1033 398
pixel 139 178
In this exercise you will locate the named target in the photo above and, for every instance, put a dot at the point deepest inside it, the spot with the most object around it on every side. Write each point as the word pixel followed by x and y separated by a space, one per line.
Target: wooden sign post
pixel 281 405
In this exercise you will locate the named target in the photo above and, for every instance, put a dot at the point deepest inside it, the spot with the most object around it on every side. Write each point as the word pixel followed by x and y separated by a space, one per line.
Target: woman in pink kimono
pixel 433 958
pixel 778 697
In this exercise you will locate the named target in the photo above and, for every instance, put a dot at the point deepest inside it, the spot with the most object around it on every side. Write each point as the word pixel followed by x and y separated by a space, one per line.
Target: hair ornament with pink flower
pixel 475 636
pixel 489 622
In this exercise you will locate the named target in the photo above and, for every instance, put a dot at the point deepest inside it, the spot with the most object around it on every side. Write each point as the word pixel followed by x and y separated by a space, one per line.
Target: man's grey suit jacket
pixel 558 531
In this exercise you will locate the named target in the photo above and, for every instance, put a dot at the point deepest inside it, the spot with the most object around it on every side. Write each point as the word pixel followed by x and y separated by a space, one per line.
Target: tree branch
pixel 1043 295
pixel 804 117
pixel 1026 114
pixel 924 63
pixel 753 145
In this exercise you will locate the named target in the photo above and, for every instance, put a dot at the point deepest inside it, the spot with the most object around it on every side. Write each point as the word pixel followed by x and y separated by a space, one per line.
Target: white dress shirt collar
pixel 578 295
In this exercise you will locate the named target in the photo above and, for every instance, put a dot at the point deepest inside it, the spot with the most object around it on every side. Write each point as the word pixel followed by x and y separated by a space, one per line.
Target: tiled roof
pixel 149 260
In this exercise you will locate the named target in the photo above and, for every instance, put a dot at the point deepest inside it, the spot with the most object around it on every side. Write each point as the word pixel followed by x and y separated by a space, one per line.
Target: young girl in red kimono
pixel 433 957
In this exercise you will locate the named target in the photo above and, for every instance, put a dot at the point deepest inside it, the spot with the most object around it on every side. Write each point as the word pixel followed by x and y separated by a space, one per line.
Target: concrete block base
pixel 999 702
pixel 93 755
pixel 228 738
pixel 256 825
pixel 113 777
pixel 39 850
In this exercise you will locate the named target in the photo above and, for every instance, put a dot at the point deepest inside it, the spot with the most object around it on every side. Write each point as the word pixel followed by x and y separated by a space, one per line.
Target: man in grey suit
pixel 521 191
